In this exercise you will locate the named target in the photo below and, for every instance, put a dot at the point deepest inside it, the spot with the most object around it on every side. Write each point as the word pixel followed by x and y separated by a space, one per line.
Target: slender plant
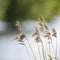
pixel 47 34
pixel 21 36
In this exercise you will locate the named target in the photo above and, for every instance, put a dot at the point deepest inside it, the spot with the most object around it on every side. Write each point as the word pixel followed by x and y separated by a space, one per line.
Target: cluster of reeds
pixel 48 35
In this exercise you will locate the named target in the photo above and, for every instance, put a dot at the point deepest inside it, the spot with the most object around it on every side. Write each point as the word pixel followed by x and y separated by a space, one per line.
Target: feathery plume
pixel 47 34
pixel 54 33
pixel 36 35
pixel 20 37
pixel 18 23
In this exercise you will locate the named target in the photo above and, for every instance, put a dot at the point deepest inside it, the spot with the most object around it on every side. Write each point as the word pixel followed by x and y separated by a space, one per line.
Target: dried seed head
pixel 18 23
pixel 20 37
pixel 54 33
pixel 37 38
pixel 36 32
pixel 36 35
pixel 47 34
pixel 41 26
pixel 45 26
pixel 53 30
pixel 40 22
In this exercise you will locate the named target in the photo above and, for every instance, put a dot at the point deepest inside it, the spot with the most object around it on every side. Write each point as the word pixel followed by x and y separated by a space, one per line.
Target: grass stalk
pixel 43 51
pixel 53 48
pixel 56 49
pixel 27 52
pixel 38 50
pixel 31 49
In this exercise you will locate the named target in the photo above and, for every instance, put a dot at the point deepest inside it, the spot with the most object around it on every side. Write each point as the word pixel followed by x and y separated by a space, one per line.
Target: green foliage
pixel 3 6
pixel 12 10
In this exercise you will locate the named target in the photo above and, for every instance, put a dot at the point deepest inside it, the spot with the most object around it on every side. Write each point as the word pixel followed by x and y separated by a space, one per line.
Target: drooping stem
pixel 27 51
pixel 31 49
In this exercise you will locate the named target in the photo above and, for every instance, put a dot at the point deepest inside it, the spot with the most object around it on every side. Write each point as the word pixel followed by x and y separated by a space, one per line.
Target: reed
pixel 48 34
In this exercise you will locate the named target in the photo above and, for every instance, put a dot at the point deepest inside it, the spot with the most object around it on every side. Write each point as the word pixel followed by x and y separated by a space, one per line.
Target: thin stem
pixel 27 52
pixel 56 46
pixel 46 47
pixel 49 50
pixel 31 49
pixel 56 50
pixel 53 47
pixel 44 52
pixel 39 50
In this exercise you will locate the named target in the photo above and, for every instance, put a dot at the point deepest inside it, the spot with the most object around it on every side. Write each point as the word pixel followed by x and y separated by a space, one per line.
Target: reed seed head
pixel 54 33
pixel 53 30
pixel 18 23
pixel 47 34
pixel 37 38
pixel 20 37
pixel 36 35
pixel 35 32
pixel 41 26
pixel 40 22
pixel 45 26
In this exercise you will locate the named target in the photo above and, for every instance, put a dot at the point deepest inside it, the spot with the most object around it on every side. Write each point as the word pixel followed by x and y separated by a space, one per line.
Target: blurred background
pixel 12 10
pixel 26 11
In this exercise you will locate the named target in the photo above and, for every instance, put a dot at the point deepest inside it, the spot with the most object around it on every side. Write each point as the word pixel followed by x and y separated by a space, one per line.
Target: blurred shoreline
pixel 28 26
